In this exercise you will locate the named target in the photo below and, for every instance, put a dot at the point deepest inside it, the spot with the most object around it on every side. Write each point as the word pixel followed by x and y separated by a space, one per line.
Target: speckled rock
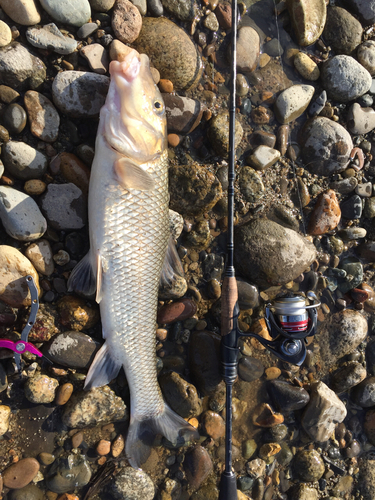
pixel 218 133
pixel 20 69
pixel 366 466
pixel 79 94
pixel 97 57
pixel 255 257
pixel 322 413
pixel 342 31
pixel 344 78
pixel 181 396
pixel 49 37
pixel 94 407
pixel 326 214
pixel 5 413
pixel 251 185
pixel 292 102
pixel 69 473
pixel 171 52
pixel 126 21
pixel 77 313
pixel 184 10
pixel 23 161
pixel 193 189
pixel 40 389
pixel 366 55
pixel 131 484
pixel 308 19
pixel 20 215
pixel 340 334
pixel 14 267
pixel 248 49
pixel 309 465
pixel 363 394
pixel 74 12
pixel 360 120
pixel 326 146
pixel 64 206
pixel 21 473
pixel 303 491
pixel 71 348
pixel 347 376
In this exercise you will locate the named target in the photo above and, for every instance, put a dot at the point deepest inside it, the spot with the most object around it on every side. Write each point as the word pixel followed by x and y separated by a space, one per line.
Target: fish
pixel 131 250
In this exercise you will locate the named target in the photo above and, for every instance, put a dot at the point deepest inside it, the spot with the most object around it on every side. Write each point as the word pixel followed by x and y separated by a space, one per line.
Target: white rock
pixel 20 215
pixel 360 120
pixel 248 48
pixel 292 102
pixel 41 256
pixel 264 157
pixel 21 11
pixel 23 161
pixel 322 413
pixel 4 419
pixel 14 266
pixel 5 34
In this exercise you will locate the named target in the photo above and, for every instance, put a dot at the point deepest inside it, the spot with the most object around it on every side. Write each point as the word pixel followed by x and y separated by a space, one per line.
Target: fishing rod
pixel 289 320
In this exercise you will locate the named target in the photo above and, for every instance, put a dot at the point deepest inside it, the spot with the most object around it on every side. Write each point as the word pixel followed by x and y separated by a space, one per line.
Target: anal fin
pixel 83 277
pixel 132 176
pixel 103 369
pixel 172 267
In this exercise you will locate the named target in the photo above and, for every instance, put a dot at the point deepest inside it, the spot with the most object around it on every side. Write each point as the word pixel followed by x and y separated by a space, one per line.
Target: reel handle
pixel 229 297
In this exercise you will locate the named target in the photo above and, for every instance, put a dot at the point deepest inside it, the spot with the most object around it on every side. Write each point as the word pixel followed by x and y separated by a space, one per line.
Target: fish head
pixel 134 120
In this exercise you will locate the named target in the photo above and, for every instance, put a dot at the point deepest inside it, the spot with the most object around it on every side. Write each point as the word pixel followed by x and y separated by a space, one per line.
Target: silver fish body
pixel 129 233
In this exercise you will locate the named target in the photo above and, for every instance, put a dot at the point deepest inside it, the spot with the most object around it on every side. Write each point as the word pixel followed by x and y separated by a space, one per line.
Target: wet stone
pixel 251 185
pixel 218 133
pixel 23 161
pixel 287 397
pixel 303 491
pixel 263 157
pixel 184 10
pixel 204 361
pixel 309 465
pixel 250 369
pixel 64 207
pixel 43 117
pixel 73 349
pixel 135 481
pixel 347 376
pixel 277 433
pixel 21 473
pixel 352 233
pixel 41 389
pixel 198 466
pixel 308 19
pixel 322 413
pixel 176 311
pixel 306 67
pixel 213 424
pixel 248 295
pixel 264 416
pixel 181 396
pixel 364 393
pixel 20 215
pixel 63 393
pixel 97 406
pixel 326 214
pixel 256 468
pixel 344 78
pixel 49 37
pixel 74 12
pixel 19 69
pixel 352 208
pixel 29 492
pixel 344 186
pixel 77 313
pixel 69 473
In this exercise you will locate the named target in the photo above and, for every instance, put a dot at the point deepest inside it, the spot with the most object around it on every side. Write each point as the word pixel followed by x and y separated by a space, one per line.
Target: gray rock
pixel 87 29
pixel 74 12
pixel 292 102
pixel 366 55
pixel 318 104
pixel 352 233
pixel 347 376
pixel 363 394
pixel 354 271
pixel 340 334
pixel 71 348
pixel 352 207
pixel 184 10
pixel 255 255
pixel 360 120
pixel 322 413
pixel 181 396
pixel 364 189
pixel 14 118
pixel 102 5
pixel 69 473
pixel 365 9
pixel 326 146
pixel 344 186
pixel 94 407
pixel 19 69
pixel 366 476
pixel 49 37
pixel 79 94
pixel 248 48
pixel 344 78
pixel 20 215
pixel 131 484
pixel 64 206
pixel 23 161
pixel 251 185
pixel 342 31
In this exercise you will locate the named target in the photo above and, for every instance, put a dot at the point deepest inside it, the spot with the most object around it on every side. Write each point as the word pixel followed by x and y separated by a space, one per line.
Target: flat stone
pixel 5 34
pixel 250 369
pixel 126 21
pixel 43 118
pixel 352 207
pixel 318 104
pixel 21 473
pixel 102 5
pixel 49 37
pixel 14 118
pixel 170 51
pixel 366 55
pixel 292 102
pixel 19 69
pixel 344 78
pixel 21 11
pixel 183 114
pixel 360 120
pixel 74 12
pixel 23 161
pixel 248 49
pixel 184 10
pixel 198 466
pixel 20 215
pixel 342 31
pixel 97 57
pixel 64 207
pixel 87 29
pixel 306 67
pixel 79 94
pixel 8 95
pixel 326 146
pixel 344 186
pixel 322 413
pixel 71 348
pixel 263 157
pixel 308 19
pixel 326 214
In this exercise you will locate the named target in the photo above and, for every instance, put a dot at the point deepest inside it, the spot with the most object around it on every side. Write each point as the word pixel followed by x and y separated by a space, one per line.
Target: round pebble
pixel 63 394
pixel 309 465
pixel 72 348
pixel 23 161
pixel 21 473
pixel 21 11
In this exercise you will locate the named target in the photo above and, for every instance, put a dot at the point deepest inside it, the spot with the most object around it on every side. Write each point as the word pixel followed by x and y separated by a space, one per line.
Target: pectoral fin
pixel 132 176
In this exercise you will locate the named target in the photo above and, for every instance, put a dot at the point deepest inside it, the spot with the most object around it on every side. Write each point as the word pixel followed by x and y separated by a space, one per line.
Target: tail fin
pixel 141 434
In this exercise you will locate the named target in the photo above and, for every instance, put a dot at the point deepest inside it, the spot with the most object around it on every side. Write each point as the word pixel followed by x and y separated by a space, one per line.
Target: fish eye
pixel 158 106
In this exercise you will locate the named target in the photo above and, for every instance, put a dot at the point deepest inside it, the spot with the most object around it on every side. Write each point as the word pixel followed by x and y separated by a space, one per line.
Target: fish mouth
pixel 127 69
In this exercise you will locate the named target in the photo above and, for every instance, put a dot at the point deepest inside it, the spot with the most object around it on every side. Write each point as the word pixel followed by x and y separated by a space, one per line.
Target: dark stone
pixel 181 396
pixel 342 31
pixel 250 369
pixel 204 356
pixel 364 393
pixel 347 376
pixel 287 397
pixel 352 208
pixel 248 295
pixel 183 114
pixel 198 466
pixel 71 348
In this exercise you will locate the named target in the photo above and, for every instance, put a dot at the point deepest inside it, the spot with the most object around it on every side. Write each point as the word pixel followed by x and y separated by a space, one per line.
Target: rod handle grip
pixel 229 296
